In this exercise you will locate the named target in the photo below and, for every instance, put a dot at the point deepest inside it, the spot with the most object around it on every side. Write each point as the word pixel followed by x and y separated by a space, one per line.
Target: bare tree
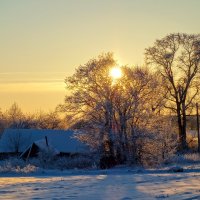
pixel 177 58
pixel 15 118
pixel 14 113
pixel 50 120
pixel 2 122
pixel 138 98
pixel 18 140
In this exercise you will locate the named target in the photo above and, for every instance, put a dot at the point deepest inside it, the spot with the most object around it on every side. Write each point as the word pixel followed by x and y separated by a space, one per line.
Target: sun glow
pixel 115 73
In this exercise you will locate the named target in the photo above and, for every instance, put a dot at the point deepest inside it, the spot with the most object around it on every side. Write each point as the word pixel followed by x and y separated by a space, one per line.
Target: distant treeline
pixel 14 117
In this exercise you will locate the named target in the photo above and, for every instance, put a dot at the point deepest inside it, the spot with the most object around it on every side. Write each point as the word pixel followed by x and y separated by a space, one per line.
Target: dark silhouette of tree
pixel 177 58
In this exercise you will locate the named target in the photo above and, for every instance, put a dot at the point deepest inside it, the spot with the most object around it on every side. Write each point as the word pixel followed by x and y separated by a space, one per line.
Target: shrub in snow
pixel 107 162
pixel 20 166
pixel 46 157
pixel 17 166
pixel 192 157
pixel 79 162
pixel 192 142
pixel 157 144
pixel 186 158
pixel 176 169
pixel 26 169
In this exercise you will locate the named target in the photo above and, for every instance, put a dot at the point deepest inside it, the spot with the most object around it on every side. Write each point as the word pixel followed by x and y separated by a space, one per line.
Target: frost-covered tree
pixel 158 141
pixel 108 112
pixel 90 103
pixel 15 118
pixel 2 122
pixel 138 99
pixel 17 140
pixel 177 58
pixel 50 120
pixel 14 113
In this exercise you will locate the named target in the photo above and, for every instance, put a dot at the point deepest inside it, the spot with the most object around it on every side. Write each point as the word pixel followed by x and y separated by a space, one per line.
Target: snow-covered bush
pixel 191 158
pixel 107 162
pixel 17 166
pixel 192 142
pixel 79 162
pixel 46 158
pixel 157 144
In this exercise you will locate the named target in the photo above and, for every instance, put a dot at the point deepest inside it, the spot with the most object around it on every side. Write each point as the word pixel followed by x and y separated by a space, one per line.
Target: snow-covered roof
pixel 62 140
pixel 43 146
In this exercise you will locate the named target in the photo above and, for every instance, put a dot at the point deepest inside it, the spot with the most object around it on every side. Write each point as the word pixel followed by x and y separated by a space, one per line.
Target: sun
pixel 115 73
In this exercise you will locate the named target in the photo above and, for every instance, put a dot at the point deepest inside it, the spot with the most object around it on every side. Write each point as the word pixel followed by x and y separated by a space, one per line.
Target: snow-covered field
pixel 113 184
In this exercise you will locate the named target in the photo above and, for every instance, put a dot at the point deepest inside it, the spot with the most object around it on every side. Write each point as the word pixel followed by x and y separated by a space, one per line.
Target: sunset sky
pixel 43 41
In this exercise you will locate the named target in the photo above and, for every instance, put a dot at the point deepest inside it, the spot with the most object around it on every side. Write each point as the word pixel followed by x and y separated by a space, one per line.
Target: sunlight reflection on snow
pixel 109 186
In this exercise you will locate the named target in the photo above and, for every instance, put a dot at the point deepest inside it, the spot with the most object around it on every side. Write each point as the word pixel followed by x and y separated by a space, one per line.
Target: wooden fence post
pixel 197 110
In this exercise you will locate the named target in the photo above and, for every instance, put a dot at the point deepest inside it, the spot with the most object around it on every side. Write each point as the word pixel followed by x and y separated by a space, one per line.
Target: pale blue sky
pixel 42 41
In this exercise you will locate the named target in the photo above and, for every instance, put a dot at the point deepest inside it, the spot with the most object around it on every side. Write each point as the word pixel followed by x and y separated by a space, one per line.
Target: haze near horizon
pixel 42 42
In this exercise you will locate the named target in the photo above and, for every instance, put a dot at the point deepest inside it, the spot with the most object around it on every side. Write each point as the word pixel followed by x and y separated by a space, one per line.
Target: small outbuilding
pixel 28 142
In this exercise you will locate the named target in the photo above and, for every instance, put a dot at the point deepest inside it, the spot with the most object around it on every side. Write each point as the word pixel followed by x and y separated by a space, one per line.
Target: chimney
pixel 46 141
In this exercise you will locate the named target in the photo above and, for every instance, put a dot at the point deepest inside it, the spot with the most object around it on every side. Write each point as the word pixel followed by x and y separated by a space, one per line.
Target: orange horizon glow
pixel 42 42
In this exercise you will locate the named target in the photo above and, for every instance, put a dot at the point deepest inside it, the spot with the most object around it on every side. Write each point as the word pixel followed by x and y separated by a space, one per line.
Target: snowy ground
pixel 123 184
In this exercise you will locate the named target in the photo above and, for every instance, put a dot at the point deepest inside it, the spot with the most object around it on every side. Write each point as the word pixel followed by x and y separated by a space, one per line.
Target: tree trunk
pixel 184 122
pixel 181 126
pixel 197 110
pixel 124 139
pixel 108 130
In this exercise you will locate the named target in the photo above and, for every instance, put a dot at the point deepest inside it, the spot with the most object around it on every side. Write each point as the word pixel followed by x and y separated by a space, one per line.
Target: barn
pixel 30 141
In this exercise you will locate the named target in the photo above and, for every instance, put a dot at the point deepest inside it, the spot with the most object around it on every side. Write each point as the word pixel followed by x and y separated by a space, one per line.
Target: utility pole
pixel 198 134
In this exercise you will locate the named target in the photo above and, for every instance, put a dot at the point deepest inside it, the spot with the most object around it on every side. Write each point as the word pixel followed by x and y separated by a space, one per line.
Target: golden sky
pixel 42 41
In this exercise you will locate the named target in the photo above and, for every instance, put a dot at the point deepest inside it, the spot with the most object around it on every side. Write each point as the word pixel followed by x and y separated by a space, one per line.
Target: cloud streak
pixel 35 77
pixel 32 81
